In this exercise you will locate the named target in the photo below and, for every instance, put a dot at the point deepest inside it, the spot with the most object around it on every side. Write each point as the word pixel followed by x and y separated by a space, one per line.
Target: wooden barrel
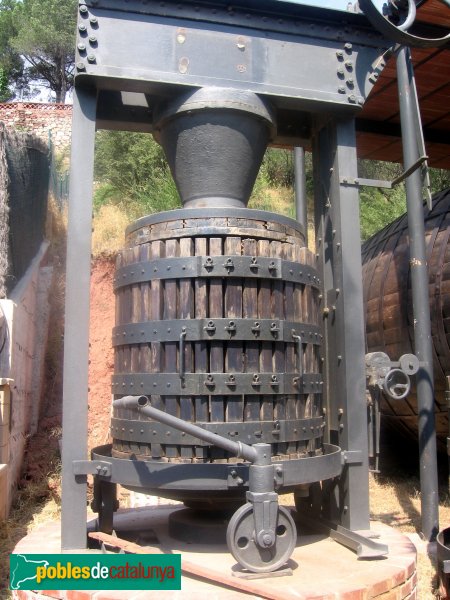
pixel 389 314
pixel 217 323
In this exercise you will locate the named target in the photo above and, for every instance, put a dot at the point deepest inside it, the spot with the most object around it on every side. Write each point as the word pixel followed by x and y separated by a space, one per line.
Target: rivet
pixel 339 54
pixel 348 46
pixel 93 20
pixel 81 66
pixel 82 28
pixel 92 39
pixel 81 47
pixel 83 9
pixel 91 58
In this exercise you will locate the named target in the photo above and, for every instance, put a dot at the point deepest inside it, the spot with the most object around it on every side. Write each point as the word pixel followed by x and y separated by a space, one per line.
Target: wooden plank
pixel 291 400
pixel 186 311
pixel 217 408
pixel 277 312
pixel 144 349
pixel 251 348
pixel 233 309
pixel 201 348
pixel 264 312
pixel 171 348
pixel 157 250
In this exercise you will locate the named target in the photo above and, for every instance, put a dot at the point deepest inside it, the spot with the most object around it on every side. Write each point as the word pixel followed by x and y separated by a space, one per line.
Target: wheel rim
pixel 241 540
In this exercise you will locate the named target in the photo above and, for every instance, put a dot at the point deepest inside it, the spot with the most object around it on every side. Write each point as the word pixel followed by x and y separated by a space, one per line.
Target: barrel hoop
pixel 196 384
pixel 251 267
pixel 194 330
pixel 250 432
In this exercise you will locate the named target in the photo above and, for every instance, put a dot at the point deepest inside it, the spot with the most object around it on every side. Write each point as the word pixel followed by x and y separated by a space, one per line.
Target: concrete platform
pixel 322 568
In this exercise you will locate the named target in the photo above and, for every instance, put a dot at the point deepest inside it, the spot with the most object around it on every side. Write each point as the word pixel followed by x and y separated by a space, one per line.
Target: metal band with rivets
pixel 229 384
pixel 248 267
pixel 194 330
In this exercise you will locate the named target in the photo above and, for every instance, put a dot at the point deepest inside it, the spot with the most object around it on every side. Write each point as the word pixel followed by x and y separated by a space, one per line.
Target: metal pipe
pixel 300 189
pixel 421 306
pixel 141 403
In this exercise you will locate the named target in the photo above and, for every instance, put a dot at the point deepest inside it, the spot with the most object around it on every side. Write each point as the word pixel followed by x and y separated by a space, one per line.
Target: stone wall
pixel 40 119
pixel 25 316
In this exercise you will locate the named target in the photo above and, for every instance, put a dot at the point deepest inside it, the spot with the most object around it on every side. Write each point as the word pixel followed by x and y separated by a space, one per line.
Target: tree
pixel 43 33
pixel 11 64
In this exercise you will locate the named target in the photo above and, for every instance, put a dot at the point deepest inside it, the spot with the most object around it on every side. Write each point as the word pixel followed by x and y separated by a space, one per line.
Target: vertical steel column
pixel 421 305
pixel 76 337
pixel 339 249
pixel 300 189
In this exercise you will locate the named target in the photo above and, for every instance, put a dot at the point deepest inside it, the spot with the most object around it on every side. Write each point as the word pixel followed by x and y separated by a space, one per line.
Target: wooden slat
pixel 171 348
pixel 264 312
pixel 277 312
pixel 251 350
pixel 200 348
pixel 234 410
pixel 186 309
pixel 291 402
pixel 157 250
pixel 217 408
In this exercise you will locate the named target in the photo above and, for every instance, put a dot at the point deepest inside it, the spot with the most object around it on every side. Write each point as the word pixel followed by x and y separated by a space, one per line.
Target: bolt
pixel 341 89
pixel 326 311
pixel 83 9
pixel 351 84
pixel 91 58
pixel 349 65
pixel 267 540
pixel 339 54
pixel 92 39
pixel 93 20
pixel 348 47
pixel 81 47
pixel 82 28
pixel 352 99
pixel 81 66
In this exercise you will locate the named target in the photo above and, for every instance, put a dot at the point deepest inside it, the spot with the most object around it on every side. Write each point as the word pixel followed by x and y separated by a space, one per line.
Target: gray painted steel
pixel 421 307
pixel 250 432
pixel 337 227
pixel 300 189
pixel 229 384
pixel 248 267
pixel 143 52
pixel 271 330
pixel 76 338
pixel 162 476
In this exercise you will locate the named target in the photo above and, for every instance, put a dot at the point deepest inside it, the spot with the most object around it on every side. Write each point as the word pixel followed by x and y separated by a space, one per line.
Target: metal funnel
pixel 214 140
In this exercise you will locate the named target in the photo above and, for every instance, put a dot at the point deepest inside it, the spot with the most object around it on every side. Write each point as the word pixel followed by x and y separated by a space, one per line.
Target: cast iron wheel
pixel 107 504
pixel 241 541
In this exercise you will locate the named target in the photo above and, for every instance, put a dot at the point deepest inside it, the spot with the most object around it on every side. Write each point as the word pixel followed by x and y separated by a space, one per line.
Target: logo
pixel 95 571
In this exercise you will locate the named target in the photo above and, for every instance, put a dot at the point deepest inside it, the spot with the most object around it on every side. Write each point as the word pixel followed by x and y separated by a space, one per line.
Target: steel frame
pixel 128 58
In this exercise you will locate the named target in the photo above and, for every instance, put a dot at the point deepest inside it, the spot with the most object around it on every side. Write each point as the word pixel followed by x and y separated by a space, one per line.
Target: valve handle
pixel 398 33
pixel 397 384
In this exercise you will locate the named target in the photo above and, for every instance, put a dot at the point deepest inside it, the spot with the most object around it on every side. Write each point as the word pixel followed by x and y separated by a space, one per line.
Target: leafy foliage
pixel 38 38
pixel 131 172
pixel 136 174
pixel 11 64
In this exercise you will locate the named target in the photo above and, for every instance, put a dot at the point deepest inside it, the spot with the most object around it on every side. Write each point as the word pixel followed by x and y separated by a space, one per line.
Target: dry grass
pixel 109 227
pixel 396 501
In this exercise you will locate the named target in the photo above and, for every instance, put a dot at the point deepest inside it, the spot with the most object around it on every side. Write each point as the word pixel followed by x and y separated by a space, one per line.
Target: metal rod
pixel 141 403
pixel 421 305
pixel 300 189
